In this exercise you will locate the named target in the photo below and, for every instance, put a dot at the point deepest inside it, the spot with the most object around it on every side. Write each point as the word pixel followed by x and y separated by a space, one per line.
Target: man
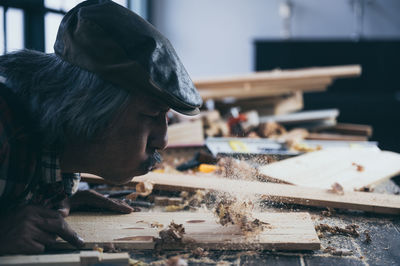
pixel 98 105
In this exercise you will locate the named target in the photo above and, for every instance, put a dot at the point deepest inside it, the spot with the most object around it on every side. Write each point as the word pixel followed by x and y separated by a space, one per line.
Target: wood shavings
pixel 269 129
pixel 302 147
pixel 336 189
pixel 364 189
pixel 349 230
pixel 172 261
pixel 199 252
pixel 142 189
pixel 174 233
pixel 368 238
pixel 97 248
pixel 359 167
pixel 152 224
pixel 239 213
pixel 174 208
pixel 329 212
pixel 133 262
pixel 176 261
pixel 338 251
pixel 156 225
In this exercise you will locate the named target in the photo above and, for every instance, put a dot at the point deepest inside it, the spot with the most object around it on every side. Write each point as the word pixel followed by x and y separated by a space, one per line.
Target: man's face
pixel 128 146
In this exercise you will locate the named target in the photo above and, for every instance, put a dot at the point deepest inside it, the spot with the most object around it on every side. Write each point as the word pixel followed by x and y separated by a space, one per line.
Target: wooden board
pixel 276 75
pixel 323 168
pixel 277 82
pixel 262 89
pixel 352 129
pixel 273 105
pixel 188 133
pixel 287 231
pixel 67 259
pixel 335 136
pixel 302 117
pixel 370 202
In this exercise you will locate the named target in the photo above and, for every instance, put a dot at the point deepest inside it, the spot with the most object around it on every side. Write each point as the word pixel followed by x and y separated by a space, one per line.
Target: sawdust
pixel 349 230
pixel 328 212
pixel 199 252
pixel 302 147
pixel 359 167
pixel 336 188
pixel 172 261
pixel 368 238
pixel 236 169
pixel 364 189
pixel 230 210
pixel 174 233
pixel 142 189
pixel 338 251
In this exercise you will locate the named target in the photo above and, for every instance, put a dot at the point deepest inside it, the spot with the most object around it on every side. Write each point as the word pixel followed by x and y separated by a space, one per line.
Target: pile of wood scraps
pixel 267 105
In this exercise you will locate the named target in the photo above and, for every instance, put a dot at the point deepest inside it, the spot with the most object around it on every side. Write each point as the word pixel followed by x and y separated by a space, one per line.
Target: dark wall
pixel 373 99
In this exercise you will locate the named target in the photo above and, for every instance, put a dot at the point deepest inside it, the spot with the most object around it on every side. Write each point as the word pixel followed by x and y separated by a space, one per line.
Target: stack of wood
pixel 271 92
pixel 255 100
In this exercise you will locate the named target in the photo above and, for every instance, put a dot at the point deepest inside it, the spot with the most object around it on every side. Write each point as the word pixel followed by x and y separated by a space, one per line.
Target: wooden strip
pixel 186 134
pixel 352 129
pixel 370 202
pixel 335 71
pixel 287 231
pixel 82 258
pixel 258 90
pixel 332 136
pixel 302 117
pixel 351 168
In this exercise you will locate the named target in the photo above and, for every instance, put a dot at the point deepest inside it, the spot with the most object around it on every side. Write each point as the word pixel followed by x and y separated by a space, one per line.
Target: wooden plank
pixel 287 231
pixel 332 136
pixel 370 202
pixel 245 91
pixel 335 71
pixel 67 259
pixel 323 168
pixel 273 105
pixel 269 83
pixel 188 133
pixel 302 117
pixel 352 129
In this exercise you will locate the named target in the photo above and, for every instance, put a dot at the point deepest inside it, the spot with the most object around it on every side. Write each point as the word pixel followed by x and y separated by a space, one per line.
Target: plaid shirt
pixel 28 172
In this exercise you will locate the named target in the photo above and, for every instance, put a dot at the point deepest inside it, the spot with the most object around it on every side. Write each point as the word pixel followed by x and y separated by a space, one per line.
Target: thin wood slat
pixel 67 259
pixel 306 73
pixel 370 202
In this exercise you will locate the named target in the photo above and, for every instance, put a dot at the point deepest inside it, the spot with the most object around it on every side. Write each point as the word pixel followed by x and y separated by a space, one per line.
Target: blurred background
pixel 230 37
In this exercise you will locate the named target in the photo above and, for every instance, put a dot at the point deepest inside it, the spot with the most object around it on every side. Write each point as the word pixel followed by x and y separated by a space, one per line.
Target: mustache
pixel 153 159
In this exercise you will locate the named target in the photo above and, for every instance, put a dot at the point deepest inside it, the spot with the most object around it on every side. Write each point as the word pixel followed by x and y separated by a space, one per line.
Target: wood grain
pixel 370 202
pixel 286 231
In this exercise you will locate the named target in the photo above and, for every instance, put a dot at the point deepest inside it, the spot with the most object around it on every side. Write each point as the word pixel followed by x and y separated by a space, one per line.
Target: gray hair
pixel 65 101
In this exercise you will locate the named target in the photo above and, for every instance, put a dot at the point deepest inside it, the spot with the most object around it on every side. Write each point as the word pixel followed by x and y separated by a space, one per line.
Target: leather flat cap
pixel 124 49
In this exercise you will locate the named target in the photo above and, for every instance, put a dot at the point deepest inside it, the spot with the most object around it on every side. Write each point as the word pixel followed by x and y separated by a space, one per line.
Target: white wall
pixel 215 37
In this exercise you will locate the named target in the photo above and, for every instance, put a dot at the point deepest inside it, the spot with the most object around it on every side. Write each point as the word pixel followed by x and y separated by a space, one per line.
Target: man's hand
pixel 32 228
pixel 90 200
